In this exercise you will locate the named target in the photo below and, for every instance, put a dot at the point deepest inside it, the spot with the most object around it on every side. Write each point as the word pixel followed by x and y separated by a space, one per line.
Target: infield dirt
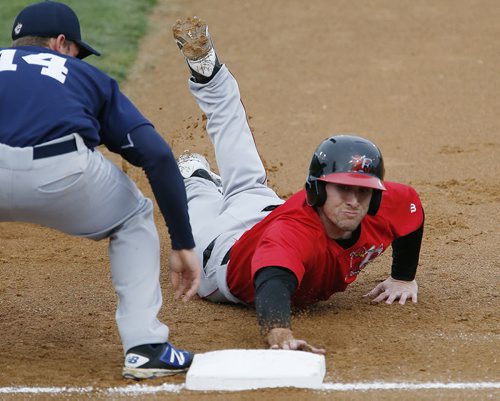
pixel 418 78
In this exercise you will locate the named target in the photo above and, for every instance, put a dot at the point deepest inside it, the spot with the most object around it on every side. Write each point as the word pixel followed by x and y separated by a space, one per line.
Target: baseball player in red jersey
pixel 258 250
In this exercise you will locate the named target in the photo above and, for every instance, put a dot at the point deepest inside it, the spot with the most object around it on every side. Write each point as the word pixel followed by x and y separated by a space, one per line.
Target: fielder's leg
pixel 84 194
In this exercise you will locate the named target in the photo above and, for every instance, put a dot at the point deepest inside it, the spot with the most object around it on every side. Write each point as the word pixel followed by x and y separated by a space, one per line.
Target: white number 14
pixel 53 66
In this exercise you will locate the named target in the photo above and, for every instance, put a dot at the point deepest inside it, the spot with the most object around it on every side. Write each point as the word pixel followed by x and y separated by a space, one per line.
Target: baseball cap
pixel 49 19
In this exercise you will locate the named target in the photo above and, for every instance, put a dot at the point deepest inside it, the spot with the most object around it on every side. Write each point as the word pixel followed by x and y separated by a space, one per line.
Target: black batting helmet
pixel 346 160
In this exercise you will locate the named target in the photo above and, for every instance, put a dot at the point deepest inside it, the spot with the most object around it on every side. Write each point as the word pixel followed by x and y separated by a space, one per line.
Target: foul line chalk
pixel 327 387
pixel 408 386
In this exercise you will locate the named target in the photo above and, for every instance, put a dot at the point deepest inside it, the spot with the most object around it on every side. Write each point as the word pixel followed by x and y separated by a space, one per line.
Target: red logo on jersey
pixel 361 164
pixel 361 257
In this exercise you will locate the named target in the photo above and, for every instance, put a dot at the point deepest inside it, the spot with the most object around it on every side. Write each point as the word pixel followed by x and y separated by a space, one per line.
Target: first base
pixel 240 369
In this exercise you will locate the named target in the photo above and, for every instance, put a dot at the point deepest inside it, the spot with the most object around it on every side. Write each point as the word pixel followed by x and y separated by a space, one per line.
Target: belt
pixel 208 252
pixel 54 149
pixel 269 208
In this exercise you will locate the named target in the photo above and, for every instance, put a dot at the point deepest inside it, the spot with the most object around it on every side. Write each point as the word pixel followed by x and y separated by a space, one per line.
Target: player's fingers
pixel 192 279
pixel 304 346
pixel 403 298
pixel 191 290
pixel 294 344
pixel 195 283
pixel 320 351
pixel 381 297
pixel 377 290
pixel 392 297
pixel 414 297
pixel 314 350
pixel 174 277
pixel 181 286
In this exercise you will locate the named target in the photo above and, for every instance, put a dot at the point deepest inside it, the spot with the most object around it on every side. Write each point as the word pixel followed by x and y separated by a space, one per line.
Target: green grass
pixel 113 27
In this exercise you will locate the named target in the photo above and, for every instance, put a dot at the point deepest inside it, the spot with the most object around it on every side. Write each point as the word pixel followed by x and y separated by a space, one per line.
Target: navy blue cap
pixel 50 19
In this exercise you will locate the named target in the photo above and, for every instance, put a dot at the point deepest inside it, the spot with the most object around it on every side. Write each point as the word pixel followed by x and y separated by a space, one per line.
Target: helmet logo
pixel 361 164
pixel 322 156
pixel 17 29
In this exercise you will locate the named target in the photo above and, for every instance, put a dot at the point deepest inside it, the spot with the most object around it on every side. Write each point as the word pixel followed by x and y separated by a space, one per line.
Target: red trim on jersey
pixel 292 236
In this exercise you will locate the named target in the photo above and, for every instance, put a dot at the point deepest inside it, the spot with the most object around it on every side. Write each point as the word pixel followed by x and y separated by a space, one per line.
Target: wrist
pixel 278 335
pixel 401 279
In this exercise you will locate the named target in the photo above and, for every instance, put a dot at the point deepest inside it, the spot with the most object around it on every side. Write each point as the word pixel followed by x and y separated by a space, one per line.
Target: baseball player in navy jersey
pixel 55 110
pixel 258 250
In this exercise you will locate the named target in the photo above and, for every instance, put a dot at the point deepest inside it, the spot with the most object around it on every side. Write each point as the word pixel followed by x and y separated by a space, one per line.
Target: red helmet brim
pixel 354 179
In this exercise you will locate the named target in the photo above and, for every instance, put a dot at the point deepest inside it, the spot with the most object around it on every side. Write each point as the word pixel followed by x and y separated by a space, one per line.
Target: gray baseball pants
pixel 84 194
pixel 225 216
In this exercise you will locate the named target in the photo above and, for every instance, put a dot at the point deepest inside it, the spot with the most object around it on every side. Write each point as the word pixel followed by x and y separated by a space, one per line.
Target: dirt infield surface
pixel 419 78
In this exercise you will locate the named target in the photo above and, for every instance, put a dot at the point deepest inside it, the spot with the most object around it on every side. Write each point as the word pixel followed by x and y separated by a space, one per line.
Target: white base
pixel 239 369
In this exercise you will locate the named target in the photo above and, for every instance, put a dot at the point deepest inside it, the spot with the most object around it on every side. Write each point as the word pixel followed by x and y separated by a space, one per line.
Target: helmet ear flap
pixel 316 193
pixel 375 202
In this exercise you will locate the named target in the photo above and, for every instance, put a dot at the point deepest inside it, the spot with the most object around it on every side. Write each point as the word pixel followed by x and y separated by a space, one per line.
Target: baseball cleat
pixel 194 164
pixel 149 361
pixel 195 43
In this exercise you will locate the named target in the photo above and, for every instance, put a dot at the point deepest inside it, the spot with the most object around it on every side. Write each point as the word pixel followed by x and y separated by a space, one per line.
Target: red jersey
pixel 293 237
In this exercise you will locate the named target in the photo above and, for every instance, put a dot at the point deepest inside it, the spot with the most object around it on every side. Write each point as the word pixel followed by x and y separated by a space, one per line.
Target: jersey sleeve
pixel 118 117
pixel 144 147
pixel 406 254
pixel 284 244
pixel 401 206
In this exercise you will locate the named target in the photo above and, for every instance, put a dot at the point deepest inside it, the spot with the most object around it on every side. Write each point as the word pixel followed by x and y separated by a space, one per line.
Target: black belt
pixel 54 149
pixel 269 208
pixel 208 252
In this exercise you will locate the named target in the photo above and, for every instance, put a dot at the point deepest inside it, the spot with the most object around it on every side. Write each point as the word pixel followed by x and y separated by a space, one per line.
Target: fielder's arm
pixel 144 147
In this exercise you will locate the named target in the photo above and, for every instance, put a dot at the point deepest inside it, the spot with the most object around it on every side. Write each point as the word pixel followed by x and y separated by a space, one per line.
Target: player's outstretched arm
pixel 391 289
pixel 185 272
pixel 282 338
pixel 274 287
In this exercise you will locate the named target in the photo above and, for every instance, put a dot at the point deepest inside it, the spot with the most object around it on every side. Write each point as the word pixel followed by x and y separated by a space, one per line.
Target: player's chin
pixel 349 224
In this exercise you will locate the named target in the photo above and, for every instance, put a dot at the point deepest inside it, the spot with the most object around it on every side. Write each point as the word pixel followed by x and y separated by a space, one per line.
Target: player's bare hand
pixel 392 289
pixel 282 338
pixel 185 273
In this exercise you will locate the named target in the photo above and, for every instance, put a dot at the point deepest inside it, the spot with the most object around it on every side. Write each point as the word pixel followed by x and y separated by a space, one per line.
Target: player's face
pixel 72 49
pixel 63 46
pixel 345 207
